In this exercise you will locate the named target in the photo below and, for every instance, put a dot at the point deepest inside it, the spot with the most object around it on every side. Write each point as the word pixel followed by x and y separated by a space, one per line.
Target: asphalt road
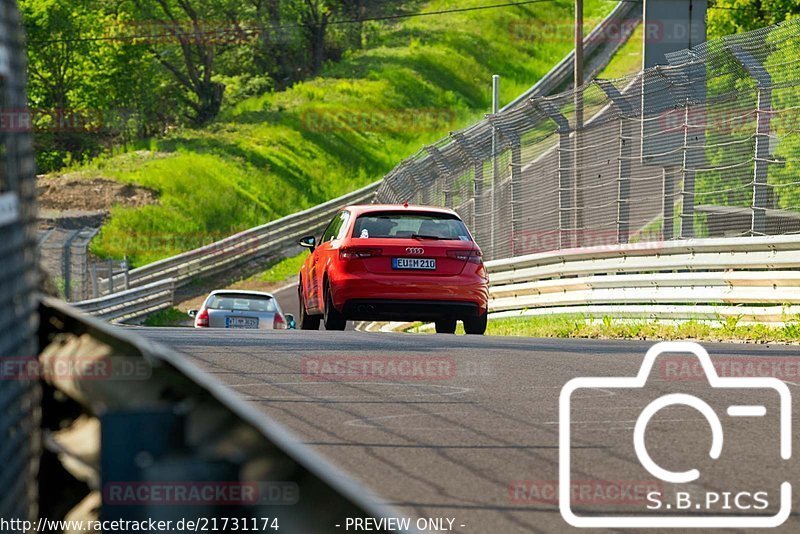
pixel 472 432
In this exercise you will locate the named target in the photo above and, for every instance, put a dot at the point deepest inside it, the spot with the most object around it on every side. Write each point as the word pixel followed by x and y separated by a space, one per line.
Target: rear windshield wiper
pixel 422 236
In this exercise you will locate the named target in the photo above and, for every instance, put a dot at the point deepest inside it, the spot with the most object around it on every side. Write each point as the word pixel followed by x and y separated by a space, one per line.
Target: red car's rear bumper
pixel 466 293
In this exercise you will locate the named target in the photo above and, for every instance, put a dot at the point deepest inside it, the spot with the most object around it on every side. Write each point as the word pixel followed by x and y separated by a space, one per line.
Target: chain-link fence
pixel 19 398
pixel 706 146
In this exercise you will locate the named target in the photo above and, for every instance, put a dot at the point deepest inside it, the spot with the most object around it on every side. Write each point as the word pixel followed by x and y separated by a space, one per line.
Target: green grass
pixel 628 59
pixel 166 317
pixel 284 269
pixel 267 156
pixel 581 326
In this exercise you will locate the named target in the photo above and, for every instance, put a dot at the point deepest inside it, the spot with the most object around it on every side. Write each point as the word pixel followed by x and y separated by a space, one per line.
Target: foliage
pixel 166 317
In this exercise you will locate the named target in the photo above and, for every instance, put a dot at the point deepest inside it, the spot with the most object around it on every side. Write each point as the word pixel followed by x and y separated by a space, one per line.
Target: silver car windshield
pixel 410 225
pixel 239 302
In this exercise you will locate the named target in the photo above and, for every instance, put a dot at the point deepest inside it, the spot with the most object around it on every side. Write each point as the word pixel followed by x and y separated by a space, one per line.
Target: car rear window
pixel 236 302
pixel 406 224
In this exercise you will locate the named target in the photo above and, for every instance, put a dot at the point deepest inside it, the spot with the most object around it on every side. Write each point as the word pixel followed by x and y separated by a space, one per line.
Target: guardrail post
pixel 758 224
pixel 626 110
pixel 566 182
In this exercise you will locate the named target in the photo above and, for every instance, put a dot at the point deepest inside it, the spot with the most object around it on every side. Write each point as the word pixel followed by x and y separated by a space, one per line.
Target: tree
pixel 736 16
pixel 190 50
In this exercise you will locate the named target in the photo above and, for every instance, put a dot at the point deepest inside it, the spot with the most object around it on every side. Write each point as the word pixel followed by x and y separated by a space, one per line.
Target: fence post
pixel 478 185
pixel 626 110
pixel 495 111
pixel 566 183
pixel 125 273
pixel 758 223
pixel 66 267
pixel 667 203
pixel 110 276
pixel 95 288
pixel 444 173
pixel 687 183
pixel 516 175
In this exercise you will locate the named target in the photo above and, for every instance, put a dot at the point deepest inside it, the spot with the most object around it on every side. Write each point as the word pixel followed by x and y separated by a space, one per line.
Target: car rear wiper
pixel 422 236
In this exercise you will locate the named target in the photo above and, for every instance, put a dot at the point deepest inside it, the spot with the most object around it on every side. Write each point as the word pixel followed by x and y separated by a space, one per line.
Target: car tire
pixel 307 322
pixel 333 319
pixel 446 325
pixel 476 325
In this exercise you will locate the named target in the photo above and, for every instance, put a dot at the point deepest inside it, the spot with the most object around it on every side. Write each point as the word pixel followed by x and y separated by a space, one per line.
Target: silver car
pixel 239 309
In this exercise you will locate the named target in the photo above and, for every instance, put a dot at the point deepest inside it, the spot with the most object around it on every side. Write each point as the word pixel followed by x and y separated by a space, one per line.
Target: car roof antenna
pixel 405 204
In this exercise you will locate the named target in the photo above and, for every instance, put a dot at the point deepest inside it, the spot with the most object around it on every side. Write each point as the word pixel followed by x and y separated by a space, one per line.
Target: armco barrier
pixel 151 416
pixel 131 303
pixel 755 278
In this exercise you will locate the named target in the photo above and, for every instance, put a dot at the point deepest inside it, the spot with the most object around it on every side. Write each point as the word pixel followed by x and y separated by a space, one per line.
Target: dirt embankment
pixel 70 193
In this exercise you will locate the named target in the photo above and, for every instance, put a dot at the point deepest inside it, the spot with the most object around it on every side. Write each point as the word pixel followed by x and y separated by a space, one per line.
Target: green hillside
pixel 272 155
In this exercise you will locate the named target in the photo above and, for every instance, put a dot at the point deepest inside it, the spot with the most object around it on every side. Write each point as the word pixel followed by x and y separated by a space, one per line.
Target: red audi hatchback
pixel 402 263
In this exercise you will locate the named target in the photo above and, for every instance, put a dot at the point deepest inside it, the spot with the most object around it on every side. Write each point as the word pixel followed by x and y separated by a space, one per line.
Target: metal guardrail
pixel 756 278
pixel 131 303
pixel 148 415
pixel 152 286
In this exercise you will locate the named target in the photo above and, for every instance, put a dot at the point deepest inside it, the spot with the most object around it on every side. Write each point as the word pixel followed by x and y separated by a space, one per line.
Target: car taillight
pixel 472 256
pixel 279 323
pixel 357 253
pixel 201 320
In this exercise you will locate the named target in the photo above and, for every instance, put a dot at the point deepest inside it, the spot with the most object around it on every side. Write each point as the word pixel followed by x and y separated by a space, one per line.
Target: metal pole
pixel 578 89
pixel 110 276
pixel 95 289
pixel 758 222
pixel 126 272
pixel 687 183
pixel 66 267
pixel 578 54
pixel 495 110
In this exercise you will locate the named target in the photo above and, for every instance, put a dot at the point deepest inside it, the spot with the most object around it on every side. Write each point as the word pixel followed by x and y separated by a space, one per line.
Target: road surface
pixel 472 432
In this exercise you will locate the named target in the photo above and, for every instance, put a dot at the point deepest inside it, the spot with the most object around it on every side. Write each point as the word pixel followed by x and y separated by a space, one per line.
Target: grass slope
pixel 272 155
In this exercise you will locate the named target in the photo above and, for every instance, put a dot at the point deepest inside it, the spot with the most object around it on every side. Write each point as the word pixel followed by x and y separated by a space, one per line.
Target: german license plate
pixel 423 264
pixel 241 322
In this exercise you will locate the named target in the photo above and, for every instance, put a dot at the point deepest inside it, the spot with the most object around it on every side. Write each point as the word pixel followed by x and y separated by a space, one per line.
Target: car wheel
pixel 307 322
pixel 333 319
pixel 446 325
pixel 476 325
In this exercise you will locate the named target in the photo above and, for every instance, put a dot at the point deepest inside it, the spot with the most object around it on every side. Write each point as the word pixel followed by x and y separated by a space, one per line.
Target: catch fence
pixel 704 147
pixel 20 441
